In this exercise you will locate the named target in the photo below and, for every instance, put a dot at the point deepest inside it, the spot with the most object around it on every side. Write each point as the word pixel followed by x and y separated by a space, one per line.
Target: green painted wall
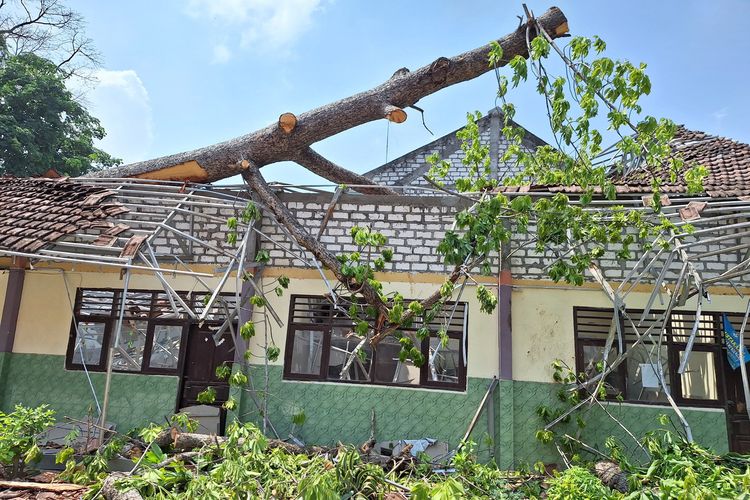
pixel 34 379
pixel 341 412
pixel 516 407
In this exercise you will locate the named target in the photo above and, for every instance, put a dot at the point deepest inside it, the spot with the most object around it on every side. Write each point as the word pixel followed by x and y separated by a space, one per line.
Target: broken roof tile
pixel 34 212
pixel 727 161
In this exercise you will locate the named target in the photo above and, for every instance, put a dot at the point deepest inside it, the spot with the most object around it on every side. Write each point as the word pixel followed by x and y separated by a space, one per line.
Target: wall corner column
pixel 12 304
pixel 505 397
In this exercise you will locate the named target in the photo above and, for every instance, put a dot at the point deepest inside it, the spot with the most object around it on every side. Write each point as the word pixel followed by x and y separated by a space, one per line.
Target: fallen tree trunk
pixel 188 441
pixel 290 138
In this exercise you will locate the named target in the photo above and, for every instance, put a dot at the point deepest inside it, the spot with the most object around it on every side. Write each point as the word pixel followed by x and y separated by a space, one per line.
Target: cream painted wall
pixel 543 323
pixel 45 314
pixel 482 349
pixel 46 309
pixel 3 287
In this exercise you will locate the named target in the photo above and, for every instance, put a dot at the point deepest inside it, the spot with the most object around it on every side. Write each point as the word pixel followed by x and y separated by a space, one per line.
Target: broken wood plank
pixel 28 485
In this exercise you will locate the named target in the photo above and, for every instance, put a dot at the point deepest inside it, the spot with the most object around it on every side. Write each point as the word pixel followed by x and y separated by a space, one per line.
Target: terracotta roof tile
pixel 35 213
pixel 727 161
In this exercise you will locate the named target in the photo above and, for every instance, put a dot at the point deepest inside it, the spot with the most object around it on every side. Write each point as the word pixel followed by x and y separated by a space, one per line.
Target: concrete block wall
pixel 414 228
pixel 408 170
pixel 527 263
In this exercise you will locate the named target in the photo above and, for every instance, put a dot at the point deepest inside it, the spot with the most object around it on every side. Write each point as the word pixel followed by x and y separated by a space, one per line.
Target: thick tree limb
pixel 186 442
pixel 318 164
pixel 274 144
pixel 286 218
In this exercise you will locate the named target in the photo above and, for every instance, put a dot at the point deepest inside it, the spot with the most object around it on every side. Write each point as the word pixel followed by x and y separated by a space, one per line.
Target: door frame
pixel 192 329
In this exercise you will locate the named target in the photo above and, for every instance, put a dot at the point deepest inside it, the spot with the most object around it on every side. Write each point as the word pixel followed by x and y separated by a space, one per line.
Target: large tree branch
pixel 312 244
pixel 285 139
pixel 325 168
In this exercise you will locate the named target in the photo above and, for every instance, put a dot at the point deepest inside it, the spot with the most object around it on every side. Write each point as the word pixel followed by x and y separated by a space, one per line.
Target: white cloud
pixel 720 114
pixel 263 25
pixel 222 54
pixel 120 101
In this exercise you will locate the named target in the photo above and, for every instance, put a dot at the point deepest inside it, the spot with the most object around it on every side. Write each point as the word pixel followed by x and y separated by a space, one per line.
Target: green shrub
pixel 577 483
pixel 19 431
pixel 680 469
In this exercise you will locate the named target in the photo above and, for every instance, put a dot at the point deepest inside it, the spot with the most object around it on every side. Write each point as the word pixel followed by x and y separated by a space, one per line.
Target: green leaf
pixel 238 379
pixel 207 396
pixel 495 57
pixel 223 371
pixel 262 256
pixel 247 331
pixel 272 353
pixel 299 418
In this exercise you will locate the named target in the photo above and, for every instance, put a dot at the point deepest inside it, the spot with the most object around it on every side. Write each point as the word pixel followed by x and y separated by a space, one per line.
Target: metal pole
pixel 743 368
pixel 112 346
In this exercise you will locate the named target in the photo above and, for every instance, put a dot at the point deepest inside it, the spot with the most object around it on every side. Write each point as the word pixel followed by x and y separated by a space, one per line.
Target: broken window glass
pixel 682 325
pixel 593 364
pixel 322 344
pixel 307 350
pixel 646 364
pixel 95 302
pixel 345 361
pixel 128 354
pixel 444 360
pixel 165 351
pixel 88 343
pixel 699 381
pixel 389 368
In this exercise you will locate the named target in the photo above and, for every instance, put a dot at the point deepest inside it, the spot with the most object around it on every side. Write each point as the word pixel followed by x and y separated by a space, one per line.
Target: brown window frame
pixel 327 326
pixel 673 350
pixel 110 322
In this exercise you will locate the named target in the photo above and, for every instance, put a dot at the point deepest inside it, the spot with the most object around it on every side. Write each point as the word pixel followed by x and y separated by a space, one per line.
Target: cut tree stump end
pixel 287 122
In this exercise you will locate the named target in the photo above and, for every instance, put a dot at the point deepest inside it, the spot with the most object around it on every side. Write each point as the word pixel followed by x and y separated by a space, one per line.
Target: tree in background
pixel 42 124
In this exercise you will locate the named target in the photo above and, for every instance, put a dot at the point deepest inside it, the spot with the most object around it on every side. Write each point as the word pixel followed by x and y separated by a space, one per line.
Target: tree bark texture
pixel 278 142
pixel 612 475
pixel 110 492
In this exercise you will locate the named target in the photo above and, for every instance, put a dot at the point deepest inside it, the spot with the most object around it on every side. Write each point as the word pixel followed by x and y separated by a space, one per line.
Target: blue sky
pixel 180 74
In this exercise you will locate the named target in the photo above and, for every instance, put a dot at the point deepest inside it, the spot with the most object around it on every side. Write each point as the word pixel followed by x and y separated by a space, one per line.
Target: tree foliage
pixel 41 125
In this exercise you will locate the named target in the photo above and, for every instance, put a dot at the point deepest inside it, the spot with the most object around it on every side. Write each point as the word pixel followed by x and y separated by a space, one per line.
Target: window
pixel 151 338
pixel 322 345
pixel 638 378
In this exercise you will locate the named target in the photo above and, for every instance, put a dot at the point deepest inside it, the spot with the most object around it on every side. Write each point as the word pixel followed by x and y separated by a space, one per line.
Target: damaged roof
pixel 727 161
pixel 35 213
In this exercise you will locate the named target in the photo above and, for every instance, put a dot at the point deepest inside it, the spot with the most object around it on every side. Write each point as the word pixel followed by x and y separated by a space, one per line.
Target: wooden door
pixel 737 418
pixel 199 370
